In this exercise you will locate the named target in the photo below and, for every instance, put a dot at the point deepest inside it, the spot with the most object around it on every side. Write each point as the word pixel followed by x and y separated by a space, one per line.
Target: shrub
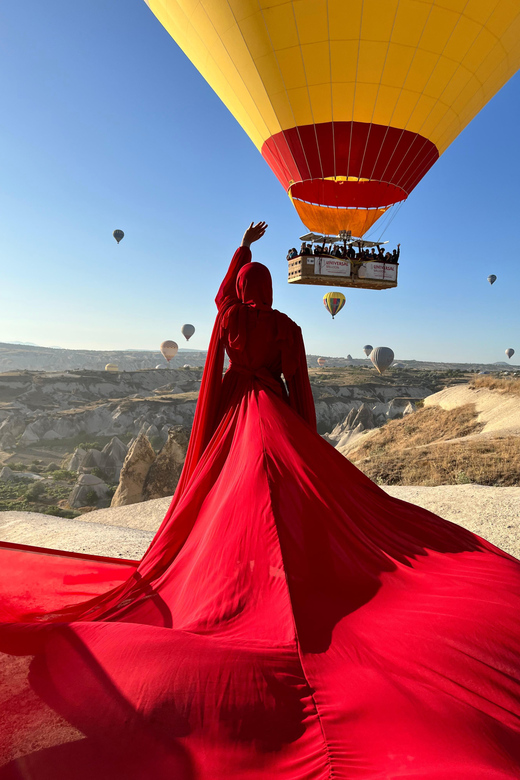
pixel 16 466
pixel 57 511
pixel 63 475
pixel 91 498
pixel 97 472
pixel 35 491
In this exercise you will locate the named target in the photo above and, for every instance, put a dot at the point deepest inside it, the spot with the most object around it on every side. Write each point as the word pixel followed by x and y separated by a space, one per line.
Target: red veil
pixel 290 620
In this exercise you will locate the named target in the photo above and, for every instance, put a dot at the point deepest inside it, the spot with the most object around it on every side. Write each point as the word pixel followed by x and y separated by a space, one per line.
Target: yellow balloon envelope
pixel 350 103
pixel 334 302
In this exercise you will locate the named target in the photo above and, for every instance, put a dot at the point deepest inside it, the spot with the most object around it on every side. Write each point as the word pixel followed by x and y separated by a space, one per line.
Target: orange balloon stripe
pixel 330 221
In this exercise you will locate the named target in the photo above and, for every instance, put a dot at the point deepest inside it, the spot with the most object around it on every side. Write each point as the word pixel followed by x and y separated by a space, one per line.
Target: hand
pixel 398 245
pixel 254 233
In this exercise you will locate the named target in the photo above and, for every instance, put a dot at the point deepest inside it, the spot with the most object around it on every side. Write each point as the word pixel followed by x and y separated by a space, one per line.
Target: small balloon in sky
pixel 510 352
pixel 382 358
pixel 118 235
pixel 367 349
pixel 492 278
pixel 169 349
pixel 187 331
pixel 334 302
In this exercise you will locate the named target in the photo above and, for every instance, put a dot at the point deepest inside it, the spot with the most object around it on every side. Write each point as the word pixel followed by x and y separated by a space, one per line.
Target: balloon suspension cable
pixel 386 222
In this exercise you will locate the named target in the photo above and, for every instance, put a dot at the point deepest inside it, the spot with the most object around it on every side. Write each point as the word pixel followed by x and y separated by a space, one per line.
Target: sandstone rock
pixel 6 475
pixel 73 462
pixel 51 435
pixel 137 463
pixel 87 484
pixel 8 442
pixel 28 436
pixel 165 471
pixel 93 459
pixel 114 454
pixel 19 475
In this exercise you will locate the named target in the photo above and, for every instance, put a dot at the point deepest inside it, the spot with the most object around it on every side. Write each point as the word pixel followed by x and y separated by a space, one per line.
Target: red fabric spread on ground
pixel 290 620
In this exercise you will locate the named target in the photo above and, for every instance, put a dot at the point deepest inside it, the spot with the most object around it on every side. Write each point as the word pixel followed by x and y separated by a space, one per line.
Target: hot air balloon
pixel 349 103
pixel 382 358
pixel 111 367
pixel 187 331
pixel 492 279
pixel 169 349
pixel 322 362
pixel 118 235
pixel 334 302
pixel 367 349
pixel 510 352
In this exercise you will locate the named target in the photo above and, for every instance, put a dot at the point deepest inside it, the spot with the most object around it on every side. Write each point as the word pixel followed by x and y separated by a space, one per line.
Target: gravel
pixel 126 532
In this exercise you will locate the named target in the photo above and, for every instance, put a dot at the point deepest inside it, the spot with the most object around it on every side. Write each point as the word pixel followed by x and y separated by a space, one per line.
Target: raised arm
pixel 227 293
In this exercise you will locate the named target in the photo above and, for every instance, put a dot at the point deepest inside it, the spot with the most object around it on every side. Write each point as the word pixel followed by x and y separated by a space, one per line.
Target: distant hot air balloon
pixel 118 235
pixel 492 279
pixel 382 358
pixel 367 349
pixel 510 352
pixel 334 302
pixel 322 362
pixel 349 103
pixel 187 331
pixel 169 349
pixel 111 367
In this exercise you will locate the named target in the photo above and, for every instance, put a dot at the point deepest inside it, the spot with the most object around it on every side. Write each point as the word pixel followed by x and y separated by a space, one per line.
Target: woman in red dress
pixel 290 620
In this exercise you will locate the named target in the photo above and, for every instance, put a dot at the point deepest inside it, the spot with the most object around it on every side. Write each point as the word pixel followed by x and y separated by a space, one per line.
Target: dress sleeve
pixel 227 293
pixel 298 385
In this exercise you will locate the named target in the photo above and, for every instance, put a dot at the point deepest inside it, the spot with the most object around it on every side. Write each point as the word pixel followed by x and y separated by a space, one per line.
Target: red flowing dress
pixel 290 620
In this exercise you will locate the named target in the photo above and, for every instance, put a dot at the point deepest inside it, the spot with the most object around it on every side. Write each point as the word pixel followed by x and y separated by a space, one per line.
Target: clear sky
pixel 105 124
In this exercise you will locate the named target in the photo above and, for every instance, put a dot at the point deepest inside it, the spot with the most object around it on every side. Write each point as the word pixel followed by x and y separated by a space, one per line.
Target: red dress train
pixel 290 620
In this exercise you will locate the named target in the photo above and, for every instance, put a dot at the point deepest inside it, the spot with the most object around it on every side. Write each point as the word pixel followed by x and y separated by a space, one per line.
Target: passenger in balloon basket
pixel 289 620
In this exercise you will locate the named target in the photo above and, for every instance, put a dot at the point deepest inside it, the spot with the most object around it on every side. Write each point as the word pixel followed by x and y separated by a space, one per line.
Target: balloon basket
pixel 328 271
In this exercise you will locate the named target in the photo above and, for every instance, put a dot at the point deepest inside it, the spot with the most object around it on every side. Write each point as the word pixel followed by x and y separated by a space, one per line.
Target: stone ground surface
pixel 125 532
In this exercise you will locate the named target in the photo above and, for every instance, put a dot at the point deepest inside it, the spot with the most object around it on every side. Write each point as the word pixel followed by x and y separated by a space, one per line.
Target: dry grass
pixel 482 461
pixel 425 426
pixel 418 450
pixel 510 385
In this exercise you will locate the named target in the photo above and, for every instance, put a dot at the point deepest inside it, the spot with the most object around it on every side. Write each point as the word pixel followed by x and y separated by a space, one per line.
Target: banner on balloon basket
pixel 330 266
pixel 383 271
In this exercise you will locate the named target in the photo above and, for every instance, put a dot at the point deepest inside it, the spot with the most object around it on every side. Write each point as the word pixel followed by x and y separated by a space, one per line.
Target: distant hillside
pixel 28 357
pixel 16 357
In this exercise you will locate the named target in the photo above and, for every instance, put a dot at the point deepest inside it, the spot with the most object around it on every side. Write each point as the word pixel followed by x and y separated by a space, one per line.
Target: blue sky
pixel 105 124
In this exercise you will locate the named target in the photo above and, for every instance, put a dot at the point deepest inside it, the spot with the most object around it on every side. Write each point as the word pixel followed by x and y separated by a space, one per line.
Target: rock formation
pixel 110 459
pixel 114 454
pixel 165 471
pixel 137 463
pixel 86 489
